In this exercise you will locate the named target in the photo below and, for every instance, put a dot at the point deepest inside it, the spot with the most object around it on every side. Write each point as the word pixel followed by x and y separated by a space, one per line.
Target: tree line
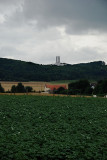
pixel 15 70
pixel 80 87
pixel 19 88
pixel 84 87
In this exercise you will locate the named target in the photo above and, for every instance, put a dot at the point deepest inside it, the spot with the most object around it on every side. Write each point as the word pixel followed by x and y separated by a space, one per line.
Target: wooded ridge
pixel 17 70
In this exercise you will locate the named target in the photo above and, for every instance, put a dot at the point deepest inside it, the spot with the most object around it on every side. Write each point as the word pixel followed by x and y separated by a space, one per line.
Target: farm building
pixel 50 88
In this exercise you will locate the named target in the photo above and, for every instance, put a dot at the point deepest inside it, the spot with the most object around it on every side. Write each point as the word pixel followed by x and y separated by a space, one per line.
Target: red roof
pixel 52 87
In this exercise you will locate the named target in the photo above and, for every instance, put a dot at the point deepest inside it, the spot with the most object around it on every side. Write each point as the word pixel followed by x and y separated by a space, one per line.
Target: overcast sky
pixel 40 30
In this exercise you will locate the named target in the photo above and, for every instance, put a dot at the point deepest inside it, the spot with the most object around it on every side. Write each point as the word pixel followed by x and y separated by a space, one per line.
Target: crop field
pixel 53 128
pixel 37 86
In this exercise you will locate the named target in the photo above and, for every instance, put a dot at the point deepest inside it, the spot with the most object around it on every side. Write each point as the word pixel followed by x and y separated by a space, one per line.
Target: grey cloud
pixel 34 29
pixel 75 15
pixel 9 9
pixel 8 51
pixel 83 55
pixel 7 4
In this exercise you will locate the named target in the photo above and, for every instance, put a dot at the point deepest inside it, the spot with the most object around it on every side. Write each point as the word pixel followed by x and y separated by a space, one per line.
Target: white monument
pixel 58 63
pixel 58 60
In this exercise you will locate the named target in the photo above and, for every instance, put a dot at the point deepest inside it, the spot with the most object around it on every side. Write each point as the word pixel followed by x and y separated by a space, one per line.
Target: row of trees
pixel 101 87
pixel 84 87
pixel 19 88
pixel 1 89
pixel 81 87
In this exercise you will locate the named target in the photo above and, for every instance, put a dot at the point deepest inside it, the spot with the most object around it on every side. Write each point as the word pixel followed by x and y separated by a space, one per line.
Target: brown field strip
pixel 43 94
pixel 37 86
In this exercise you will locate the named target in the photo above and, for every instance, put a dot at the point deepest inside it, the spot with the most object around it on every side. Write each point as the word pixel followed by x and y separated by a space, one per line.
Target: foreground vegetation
pixel 52 128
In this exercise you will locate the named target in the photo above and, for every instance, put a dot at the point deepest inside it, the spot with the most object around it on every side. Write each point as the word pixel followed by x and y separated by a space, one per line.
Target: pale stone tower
pixel 57 60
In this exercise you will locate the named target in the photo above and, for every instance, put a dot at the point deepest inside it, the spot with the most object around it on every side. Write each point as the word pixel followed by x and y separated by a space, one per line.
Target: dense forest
pixel 16 70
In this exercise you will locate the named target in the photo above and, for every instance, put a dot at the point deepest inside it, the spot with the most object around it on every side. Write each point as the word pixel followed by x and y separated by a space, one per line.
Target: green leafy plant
pixel 52 128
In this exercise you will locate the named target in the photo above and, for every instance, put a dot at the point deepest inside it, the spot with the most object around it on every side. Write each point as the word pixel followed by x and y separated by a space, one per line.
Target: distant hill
pixel 16 70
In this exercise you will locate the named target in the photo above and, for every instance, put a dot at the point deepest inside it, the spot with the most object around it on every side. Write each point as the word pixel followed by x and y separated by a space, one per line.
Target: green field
pixel 63 81
pixel 53 128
